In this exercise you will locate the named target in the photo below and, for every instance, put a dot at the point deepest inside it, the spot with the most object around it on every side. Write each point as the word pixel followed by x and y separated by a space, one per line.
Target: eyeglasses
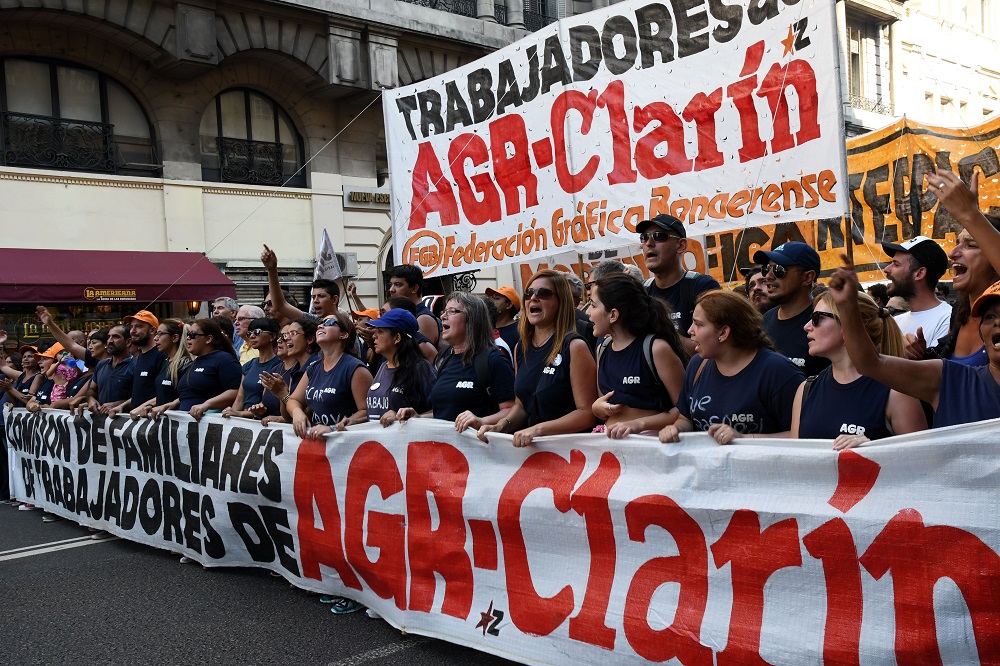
pixel 245 318
pixel 451 312
pixel 657 236
pixel 192 335
pixel 543 293
pixel 332 321
pixel 159 333
pixel 288 335
pixel 817 317
pixel 266 304
pixel 778 270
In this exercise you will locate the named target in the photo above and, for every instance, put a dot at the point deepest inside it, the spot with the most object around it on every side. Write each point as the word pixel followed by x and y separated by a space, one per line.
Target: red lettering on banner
pixel 441 470
pixel 314 485
pixel 590 500
pixel 741 93
pixel 530 612
pixel 856 476
pixel 427 174
pixel 833 544
pixel 584 104
pixel 467 147
pixel 754 555
pixel 373 466
pixel 689 568
pixel 513 172
pixel 799 75
pixel 669 132
pixel 701 111
pixel 613 99
pixel 918 557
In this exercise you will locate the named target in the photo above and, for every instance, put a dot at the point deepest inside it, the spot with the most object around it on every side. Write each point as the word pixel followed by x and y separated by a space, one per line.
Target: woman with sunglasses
pixel 475 381
pixel 212 381
pixel 736 385
pixel 297 349
pixel 170 338
pixel 958 393
pixel 261 336
pixel 635 396
pixel 405 378
pixel 333 392
pixel 840 403
pixel 555 379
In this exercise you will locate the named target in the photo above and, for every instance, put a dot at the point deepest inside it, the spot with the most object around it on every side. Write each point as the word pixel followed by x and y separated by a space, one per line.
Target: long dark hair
pixel 219 340
pixel 408 360
pixel 641 314
pixel 746 324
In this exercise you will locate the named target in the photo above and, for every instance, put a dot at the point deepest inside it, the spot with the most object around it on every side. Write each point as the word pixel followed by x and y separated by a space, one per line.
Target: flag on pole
pixel 327 263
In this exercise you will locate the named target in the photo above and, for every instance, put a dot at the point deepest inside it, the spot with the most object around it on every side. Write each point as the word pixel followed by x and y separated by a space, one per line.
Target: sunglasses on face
pixel 817 317
pixel 192 335
pixel 257 331
pixel 266 304
pixel 895 311
pixel 778 270
pixel 542 293
pixel 332 321
pixel 657 236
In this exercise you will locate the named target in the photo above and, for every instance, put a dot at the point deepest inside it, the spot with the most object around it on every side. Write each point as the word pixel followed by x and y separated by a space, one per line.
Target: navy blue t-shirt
pixel 856 408
pixel 967 394
pixel 627 374
pixel 43 394
pixel 74 387
pixel 147 368
pixel 166 390
pixel 510 334
pixel 757 399
pixel 114 382
pixel 382 396
pixel 292 376
pixel 682 297
pixel 253 390
pixel 789 337
pixel 546 393
pixel 458 387
pixel 328 393
pixel 208 376
pixel 424 310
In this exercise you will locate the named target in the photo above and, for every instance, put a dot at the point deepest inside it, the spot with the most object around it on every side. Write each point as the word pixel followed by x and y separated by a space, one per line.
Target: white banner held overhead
pixel 578 550
pixel 327 264
pixel 722 114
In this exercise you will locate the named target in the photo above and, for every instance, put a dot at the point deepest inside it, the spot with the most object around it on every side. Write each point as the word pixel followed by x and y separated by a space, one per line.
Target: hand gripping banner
pixel 723 114
pixel 573 551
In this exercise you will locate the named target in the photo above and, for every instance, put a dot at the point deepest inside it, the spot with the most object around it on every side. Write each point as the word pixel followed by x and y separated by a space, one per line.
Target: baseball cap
pixel 925 250
pixel 507 292
pixel 993 291
pixel 399 319
pixel 145 316
pixel 792 253
pixel 52 351
pixel 24 348
pixel 664 221
pixel 371 313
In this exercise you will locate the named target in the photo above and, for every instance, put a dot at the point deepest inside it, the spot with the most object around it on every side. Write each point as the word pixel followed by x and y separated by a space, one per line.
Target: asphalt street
pixel 68 599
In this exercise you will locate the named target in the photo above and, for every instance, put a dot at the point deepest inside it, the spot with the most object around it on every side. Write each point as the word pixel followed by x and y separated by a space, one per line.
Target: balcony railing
pixel 873 105
pixel 56 143
pixel 252 162
pixel 536 20
pixel 460 7
pixel 500 14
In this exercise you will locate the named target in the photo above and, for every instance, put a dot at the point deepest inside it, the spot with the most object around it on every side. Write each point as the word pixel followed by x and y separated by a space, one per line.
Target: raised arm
pixel 278 302
pixel 920 379
pixel 68 343
pixel 963 204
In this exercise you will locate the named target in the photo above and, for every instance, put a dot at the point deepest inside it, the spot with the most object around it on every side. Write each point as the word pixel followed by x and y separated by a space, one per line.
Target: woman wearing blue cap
pixel 406 378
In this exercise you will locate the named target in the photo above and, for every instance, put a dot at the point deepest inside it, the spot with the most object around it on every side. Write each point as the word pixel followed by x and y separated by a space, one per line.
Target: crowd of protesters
pixel 785 357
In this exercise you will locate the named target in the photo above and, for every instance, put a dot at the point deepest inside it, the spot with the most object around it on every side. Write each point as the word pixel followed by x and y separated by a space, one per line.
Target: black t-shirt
pixel 855 408
pixel 789 337
pixel 114 382
pixel 458 387
pixel 210 375
pixel 43 394
pixel 74 387
pixel 328 393
pixel 147 368
pixel 166 389
pixel 545 391
pixel 681 297
pixel 510 335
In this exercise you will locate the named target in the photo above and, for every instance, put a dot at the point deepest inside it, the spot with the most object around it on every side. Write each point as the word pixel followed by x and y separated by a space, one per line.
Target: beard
pixel 905 289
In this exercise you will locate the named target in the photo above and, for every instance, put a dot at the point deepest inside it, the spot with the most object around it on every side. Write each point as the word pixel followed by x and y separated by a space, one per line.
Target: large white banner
pixel 781 552
pixel 722 114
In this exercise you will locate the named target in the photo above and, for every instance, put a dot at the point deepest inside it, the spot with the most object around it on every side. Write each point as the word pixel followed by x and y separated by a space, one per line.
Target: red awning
pixel 102 276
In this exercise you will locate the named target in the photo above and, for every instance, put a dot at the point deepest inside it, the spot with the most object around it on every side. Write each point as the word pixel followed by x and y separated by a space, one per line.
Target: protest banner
pixel 721 114
pixel 775 551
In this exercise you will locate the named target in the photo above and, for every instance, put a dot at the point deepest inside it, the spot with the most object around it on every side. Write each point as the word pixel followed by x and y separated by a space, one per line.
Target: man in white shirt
pixel 916 267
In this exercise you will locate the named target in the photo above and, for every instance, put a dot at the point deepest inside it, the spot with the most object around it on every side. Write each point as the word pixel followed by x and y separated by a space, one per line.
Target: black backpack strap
pixel 647 354
pixel 443 358
pixel 601 347
pixel 808 387
pixel 482 364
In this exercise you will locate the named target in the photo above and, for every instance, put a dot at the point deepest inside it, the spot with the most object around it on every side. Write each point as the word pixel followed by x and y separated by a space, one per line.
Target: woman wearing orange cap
pixel 958 393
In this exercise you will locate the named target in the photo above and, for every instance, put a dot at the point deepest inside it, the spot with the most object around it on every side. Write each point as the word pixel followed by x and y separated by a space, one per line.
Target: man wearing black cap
pixel 791 270
pixel 913 274
pixel 664 241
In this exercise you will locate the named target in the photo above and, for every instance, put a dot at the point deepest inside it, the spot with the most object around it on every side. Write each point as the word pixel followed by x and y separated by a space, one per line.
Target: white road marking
pixel 379 652
pixel 42 549
pixel 42 545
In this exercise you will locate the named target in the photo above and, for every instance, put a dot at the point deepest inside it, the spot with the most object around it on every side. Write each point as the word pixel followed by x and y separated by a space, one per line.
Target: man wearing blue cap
pixel 664 242
pixel 791 270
